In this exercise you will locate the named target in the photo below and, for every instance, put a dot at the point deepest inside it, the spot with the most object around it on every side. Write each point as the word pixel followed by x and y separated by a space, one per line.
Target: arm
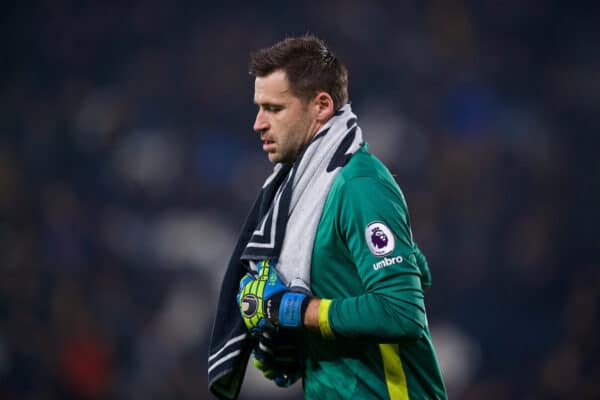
pixel 311 316
pixel 407 323
pixel 391 305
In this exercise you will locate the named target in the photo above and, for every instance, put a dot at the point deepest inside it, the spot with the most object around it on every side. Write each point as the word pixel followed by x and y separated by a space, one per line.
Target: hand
pixel 277 355
pixel 266 303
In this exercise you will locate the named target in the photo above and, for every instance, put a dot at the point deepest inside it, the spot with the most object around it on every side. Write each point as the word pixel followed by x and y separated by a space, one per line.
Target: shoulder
pixel 365 170
pixel 365 182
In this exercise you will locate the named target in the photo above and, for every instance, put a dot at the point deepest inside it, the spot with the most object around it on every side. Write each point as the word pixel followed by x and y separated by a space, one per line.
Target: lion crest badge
pixel 380 239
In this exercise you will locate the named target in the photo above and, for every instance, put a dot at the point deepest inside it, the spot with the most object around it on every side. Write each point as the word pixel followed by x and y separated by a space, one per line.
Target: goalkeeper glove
pixel 266 303
pixel 277 356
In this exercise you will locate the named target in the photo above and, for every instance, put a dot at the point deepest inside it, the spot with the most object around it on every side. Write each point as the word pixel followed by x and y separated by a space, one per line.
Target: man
pixel 335 284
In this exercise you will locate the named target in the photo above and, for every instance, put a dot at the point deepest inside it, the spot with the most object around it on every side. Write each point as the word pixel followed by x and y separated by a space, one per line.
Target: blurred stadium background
pixel 127 164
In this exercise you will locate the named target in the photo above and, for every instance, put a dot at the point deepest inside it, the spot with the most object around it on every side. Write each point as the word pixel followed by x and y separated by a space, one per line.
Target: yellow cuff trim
pixel 324 326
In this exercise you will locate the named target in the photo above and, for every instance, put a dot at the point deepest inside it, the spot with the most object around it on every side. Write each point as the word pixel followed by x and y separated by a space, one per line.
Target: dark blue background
pixel 127 164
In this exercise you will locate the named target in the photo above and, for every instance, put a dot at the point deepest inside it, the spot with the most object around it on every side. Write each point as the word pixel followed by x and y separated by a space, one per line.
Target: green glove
pixel 266 303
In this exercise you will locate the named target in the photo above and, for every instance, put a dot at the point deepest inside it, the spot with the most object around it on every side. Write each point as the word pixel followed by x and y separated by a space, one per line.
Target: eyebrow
pixel 269 103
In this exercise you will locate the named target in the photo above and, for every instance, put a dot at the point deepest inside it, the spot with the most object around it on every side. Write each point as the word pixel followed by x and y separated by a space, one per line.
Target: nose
pixel 261 123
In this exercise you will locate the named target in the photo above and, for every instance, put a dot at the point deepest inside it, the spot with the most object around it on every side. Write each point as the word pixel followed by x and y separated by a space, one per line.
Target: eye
pixel 273 108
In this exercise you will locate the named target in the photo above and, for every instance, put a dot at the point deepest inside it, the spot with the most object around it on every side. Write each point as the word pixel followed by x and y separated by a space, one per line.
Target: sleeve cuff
pixel 324 326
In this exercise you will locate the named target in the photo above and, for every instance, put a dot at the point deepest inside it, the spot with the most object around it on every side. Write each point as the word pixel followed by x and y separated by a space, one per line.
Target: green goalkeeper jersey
pixel 375 342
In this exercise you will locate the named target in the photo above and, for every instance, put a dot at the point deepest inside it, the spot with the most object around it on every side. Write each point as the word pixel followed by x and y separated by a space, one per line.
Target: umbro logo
pixel 386 262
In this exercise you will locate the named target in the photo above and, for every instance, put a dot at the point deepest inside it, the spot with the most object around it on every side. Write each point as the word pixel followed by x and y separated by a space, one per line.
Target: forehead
pixel 273 87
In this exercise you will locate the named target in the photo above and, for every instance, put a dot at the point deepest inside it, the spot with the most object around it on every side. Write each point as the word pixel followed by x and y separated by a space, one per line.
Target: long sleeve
pixel 373 221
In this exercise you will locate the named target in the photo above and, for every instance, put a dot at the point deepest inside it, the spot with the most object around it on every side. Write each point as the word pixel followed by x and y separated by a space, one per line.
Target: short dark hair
pixel 309 65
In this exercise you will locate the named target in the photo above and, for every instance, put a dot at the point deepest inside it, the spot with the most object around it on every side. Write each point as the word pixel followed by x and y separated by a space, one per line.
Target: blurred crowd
pixel 128 163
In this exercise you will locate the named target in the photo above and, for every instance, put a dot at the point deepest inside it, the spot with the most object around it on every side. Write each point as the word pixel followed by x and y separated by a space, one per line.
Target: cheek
pixel 284 129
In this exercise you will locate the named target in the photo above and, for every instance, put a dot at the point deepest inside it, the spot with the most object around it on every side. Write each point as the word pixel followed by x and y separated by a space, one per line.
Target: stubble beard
pixel 291 153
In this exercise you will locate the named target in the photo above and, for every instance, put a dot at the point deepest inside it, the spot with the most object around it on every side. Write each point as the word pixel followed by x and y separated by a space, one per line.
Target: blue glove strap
pixel 290 310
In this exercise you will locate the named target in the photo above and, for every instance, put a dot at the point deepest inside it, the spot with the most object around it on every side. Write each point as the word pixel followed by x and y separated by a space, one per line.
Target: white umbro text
pixel 386 262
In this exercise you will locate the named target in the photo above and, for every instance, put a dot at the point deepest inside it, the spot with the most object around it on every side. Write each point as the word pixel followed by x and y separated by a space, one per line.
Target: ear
pixel 324 106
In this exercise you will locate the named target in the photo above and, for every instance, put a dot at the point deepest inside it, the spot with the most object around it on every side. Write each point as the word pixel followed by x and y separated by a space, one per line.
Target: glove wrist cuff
pixel 292 308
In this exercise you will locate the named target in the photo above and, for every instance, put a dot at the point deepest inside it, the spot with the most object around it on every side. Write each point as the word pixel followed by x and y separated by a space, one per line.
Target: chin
pixel 280 158
pixel 274 158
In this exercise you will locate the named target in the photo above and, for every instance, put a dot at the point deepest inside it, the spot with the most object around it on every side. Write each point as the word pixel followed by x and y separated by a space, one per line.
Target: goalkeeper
pixel 335 295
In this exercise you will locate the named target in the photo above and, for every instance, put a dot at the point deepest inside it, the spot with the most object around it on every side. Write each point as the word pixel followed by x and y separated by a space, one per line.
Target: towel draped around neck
pixel 281 226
